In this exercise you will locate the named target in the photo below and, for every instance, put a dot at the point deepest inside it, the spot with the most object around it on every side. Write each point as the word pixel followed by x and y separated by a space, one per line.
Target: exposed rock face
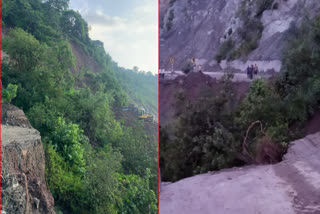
pixel 13 116
pixel 23 186
pixel 198 29
pixel 291 187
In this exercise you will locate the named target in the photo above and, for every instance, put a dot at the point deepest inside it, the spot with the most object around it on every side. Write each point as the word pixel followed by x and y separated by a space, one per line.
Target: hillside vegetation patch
pixel 212 134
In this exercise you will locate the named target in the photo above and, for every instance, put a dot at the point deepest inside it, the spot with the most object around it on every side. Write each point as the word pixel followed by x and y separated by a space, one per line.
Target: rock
pixel 199 28
pixel 23 186
pixel 291 186
pixel 13 116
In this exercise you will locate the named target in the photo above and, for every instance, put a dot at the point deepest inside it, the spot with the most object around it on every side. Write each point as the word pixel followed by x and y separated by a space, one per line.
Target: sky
pixel 128 29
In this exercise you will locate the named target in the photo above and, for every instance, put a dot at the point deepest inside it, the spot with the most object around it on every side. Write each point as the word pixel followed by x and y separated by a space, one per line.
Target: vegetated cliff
pixel 291 186
pixel 240 31
pixel 23 185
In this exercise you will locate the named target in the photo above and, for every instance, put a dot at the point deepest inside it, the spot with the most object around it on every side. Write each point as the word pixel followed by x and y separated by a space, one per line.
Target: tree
pixel 100 181
pixel 68 139
pixel 74 26
pixel 59 5
pixel 24 50
pixel 136 196
pixel 9 93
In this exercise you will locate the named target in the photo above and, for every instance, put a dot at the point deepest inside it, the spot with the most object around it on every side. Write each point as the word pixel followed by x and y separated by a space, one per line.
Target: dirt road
pixel 289 187
pixel 238 77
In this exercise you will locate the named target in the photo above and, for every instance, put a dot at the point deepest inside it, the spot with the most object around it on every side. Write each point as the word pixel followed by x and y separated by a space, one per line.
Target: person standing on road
pixel 256 70
pixel 194 65
pixel 249 72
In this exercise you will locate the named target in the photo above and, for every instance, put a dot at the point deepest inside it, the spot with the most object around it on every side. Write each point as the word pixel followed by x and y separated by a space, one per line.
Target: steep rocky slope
pixel 198 29
pixel 291 186
pixel 23 185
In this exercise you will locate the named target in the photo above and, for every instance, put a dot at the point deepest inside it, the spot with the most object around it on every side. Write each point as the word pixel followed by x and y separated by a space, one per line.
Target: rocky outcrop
pixel 23 185
pixel 198 28
pixel 291 187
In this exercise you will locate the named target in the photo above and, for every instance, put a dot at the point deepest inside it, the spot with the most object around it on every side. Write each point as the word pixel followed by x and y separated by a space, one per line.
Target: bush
pixel 65 186
pixel 136 196
pixel 68 139
pixel 9 93
pixel 263 5
pixel 171 3
pixel 187 67
pixel 170 20
pixel 250 34
pixel 224 50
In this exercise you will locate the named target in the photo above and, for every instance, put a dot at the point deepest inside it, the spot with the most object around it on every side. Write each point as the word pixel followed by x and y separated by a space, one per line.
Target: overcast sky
pixel 128 29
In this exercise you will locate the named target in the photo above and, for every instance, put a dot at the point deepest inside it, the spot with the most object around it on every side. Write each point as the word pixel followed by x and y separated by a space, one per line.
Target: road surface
pixel 238 77
pixel 289 187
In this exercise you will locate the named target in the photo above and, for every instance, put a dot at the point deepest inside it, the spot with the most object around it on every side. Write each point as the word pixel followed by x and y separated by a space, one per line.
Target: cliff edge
pixel 23 186
pixel 291 186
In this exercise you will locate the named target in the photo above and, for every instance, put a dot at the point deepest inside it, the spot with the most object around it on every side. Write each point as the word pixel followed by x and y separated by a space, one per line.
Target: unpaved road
pixel 238 77
pixel 289 187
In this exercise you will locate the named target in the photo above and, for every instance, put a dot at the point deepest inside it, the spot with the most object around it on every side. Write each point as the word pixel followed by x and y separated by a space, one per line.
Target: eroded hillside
pixel 243 31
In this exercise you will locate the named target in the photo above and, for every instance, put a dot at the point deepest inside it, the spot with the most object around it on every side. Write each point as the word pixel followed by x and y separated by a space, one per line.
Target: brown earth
pixel 83 61
pixel 194 85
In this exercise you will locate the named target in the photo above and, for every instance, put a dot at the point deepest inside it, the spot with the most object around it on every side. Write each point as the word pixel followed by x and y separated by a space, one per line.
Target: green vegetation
pixel 170 20
pixel 249 34
pixel 140 86
pixel 171 3
pixel 9 93
pixel 94 163
pixel 187 66
pixel 224 50
pixel 263 5
pixel 211 132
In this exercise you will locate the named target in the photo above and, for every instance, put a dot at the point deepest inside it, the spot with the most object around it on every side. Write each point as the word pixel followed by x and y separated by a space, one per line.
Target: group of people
pixel 252 70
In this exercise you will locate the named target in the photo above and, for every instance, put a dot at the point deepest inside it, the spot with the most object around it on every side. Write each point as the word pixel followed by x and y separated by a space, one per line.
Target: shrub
pixel 64 185
pixel 9 93
pixel 262 5
pixel 136 196
pixel 170 20
pixel 171 3
pixel 224 50
pixel 187 67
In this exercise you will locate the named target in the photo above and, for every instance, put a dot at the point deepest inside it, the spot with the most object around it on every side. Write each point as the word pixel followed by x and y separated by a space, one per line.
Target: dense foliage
pixel 211 132
pixel 141 86
pixel 94 163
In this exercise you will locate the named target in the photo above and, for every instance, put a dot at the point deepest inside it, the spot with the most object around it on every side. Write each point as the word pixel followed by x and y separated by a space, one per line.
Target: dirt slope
pixel 193 86
pixel 198 28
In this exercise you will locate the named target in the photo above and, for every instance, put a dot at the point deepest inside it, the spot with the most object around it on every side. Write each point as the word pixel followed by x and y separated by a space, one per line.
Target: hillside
pixel 218 118
pixel 243 31
pixel 68 87
pixel 142 88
